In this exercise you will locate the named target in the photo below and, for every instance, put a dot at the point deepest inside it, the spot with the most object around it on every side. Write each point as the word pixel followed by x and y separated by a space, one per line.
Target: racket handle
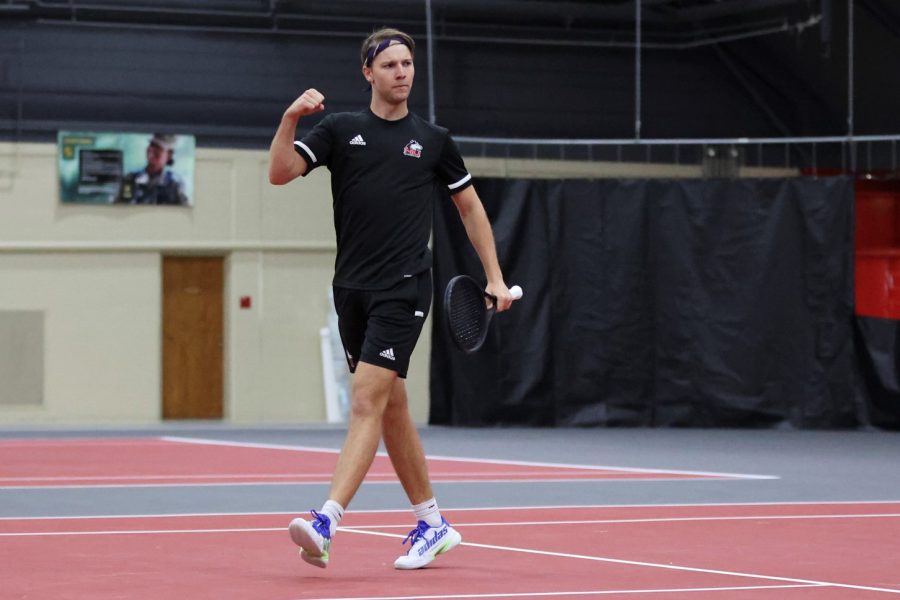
pixel 516 292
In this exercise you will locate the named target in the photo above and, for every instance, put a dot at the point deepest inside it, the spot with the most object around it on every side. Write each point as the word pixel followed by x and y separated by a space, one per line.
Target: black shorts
pixel 381 327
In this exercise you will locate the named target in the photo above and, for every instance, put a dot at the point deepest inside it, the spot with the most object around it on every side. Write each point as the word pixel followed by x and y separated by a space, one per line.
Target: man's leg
pixel 371 391
pixel 432 535
pixel 370 395
pixel 405 447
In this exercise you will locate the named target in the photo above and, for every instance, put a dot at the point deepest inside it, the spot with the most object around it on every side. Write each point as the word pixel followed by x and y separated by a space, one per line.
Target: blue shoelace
pixel 414 535
pixel 322 524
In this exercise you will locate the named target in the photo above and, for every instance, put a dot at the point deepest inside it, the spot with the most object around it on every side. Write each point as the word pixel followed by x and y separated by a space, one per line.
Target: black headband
pixel 382 45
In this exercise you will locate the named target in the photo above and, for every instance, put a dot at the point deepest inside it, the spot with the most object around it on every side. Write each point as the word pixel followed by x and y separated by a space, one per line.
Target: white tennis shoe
pixel 314 538
pixel 426 543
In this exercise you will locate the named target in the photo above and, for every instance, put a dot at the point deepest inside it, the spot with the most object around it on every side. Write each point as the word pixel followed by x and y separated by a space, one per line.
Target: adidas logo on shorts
pixel 358 141
pixel 388 354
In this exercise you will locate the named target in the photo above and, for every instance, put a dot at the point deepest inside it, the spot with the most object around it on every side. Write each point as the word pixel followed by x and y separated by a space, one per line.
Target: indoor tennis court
pixel 559 514
pixel 630 269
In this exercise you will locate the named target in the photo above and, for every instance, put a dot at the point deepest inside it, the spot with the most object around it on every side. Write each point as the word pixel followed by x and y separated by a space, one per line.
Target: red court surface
pixel 176 461
pixel 734 552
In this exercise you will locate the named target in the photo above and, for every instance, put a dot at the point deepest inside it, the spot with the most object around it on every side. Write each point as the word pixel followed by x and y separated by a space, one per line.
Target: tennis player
pixel 385 164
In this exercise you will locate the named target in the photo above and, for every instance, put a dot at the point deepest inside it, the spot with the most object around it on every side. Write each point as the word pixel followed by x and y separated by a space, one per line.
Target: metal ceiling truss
pixel 673 24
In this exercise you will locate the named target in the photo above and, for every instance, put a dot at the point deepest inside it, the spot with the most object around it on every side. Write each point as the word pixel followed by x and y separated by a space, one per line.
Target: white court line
pixel 547 507
pixel 457 524
pixel 326 481
pixel 433 474
pixel 648 520
pixel 69 442
pixel 497 461
pixel 251 475
pixel 580 593
pixel 670 567
pixel 146 531
pixel 161 476
pixel 257 445
pixel 490 461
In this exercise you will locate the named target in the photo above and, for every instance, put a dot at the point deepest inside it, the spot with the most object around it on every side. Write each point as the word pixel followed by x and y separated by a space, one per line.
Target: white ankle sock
pixel 334 512
pixel 428 511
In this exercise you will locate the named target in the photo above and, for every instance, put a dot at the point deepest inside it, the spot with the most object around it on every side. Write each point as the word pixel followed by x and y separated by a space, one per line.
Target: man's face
pixel 391 74
pixel 157 157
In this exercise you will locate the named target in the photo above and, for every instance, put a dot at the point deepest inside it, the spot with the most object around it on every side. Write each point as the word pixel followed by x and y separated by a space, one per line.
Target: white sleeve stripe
pixel 453 186
pixel 308 151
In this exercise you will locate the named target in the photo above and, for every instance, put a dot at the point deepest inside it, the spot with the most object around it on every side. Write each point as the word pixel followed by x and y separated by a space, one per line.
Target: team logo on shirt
pixel 413 148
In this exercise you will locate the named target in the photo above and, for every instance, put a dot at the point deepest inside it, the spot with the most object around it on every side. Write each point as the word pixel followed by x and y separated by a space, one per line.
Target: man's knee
pixel 372 388
pixel 363 406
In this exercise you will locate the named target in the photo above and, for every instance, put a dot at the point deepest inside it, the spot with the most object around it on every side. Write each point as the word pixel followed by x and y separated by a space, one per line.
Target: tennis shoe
pixel 426 543
pixel 313 537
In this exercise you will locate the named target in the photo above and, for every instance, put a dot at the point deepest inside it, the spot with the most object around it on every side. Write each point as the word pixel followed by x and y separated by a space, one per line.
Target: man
pixel 155 183
pixel 385 163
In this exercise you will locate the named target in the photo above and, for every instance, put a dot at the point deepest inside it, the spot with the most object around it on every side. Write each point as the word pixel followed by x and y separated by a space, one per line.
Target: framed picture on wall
pixel 126 168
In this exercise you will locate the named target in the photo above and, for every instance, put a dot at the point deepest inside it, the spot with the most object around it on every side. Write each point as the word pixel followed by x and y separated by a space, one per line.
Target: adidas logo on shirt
pixel 388 354
pixel 358 141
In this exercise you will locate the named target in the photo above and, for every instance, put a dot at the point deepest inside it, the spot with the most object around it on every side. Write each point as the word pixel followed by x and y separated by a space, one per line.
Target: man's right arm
pixel 285 164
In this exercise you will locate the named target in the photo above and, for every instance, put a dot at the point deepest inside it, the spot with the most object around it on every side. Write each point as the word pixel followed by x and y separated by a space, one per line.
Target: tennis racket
pixel 467 313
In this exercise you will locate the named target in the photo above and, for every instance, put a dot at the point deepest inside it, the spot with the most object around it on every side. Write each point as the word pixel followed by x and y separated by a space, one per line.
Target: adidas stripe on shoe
pixel 314 538
pixel 426 543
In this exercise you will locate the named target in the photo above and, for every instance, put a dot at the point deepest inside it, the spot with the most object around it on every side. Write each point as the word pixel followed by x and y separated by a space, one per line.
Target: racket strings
pixel 467 312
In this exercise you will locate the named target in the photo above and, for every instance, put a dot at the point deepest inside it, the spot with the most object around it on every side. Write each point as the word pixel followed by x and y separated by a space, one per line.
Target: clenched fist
pixel 311 101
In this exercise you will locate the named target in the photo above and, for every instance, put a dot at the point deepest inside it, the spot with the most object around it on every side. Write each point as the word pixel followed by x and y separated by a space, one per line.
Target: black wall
pixel 229 86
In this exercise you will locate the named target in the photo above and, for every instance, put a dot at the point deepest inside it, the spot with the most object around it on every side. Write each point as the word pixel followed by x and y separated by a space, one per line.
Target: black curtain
pixel 878 345
pixel 703 303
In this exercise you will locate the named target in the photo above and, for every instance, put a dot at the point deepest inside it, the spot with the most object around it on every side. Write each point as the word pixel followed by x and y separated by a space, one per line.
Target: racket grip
pixel 516 292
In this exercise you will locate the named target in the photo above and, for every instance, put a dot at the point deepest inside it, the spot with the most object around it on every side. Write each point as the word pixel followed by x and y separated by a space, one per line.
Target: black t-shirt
pixel 384 178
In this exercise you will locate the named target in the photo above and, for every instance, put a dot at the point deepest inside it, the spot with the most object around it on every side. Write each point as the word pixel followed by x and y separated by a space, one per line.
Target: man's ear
pixel 367 73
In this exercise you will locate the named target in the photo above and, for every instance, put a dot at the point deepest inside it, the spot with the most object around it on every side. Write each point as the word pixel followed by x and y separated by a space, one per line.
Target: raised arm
pixel 285 164
pixel 478 228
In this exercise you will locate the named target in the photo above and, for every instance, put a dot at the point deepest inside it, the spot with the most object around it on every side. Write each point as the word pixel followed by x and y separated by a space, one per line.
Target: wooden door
pixel 193 325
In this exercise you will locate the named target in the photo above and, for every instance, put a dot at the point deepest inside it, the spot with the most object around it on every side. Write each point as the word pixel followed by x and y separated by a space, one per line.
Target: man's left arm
pixel 478 228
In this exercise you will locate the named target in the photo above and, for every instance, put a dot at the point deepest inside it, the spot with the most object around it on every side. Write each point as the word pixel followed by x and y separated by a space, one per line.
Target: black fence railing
pixel 871 155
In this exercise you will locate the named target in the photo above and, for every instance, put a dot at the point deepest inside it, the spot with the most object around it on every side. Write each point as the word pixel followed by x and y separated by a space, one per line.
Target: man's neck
pixel 387 111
